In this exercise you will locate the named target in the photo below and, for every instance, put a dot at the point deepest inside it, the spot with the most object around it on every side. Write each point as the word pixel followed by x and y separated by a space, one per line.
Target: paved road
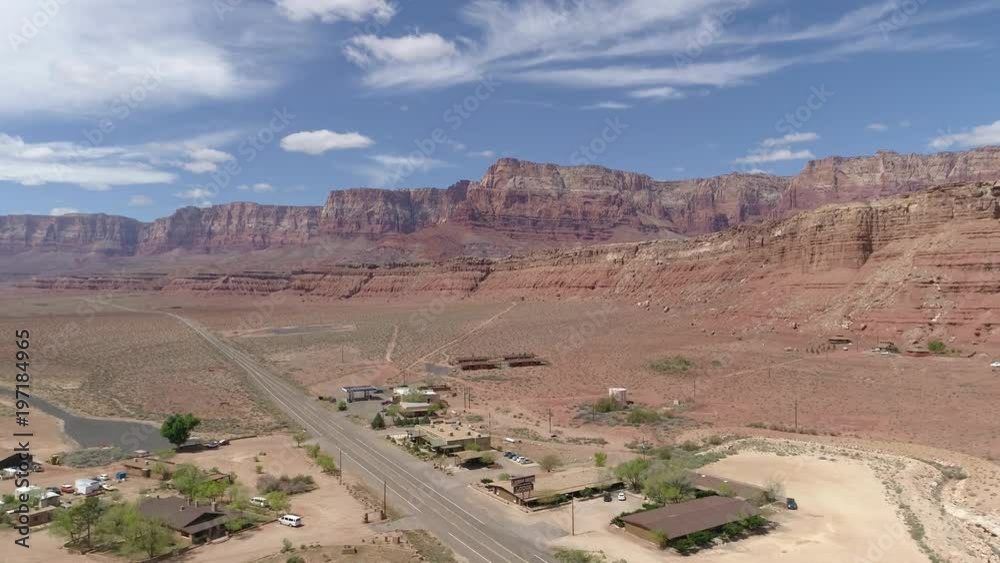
pixel 438 504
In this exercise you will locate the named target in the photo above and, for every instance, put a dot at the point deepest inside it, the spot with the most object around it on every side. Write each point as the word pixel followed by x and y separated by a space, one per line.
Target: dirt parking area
pixel 331 516
pixel 843 515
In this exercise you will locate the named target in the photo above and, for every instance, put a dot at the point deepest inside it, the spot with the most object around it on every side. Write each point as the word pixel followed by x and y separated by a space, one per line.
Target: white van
pixel 290 520
pixel 260 501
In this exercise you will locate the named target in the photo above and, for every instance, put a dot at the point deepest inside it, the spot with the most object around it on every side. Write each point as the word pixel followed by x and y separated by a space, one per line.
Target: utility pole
pixel 695 389
pixel 385 506
pixel 796 416
pixel 572 516
pixel 341 465
pixel 550 422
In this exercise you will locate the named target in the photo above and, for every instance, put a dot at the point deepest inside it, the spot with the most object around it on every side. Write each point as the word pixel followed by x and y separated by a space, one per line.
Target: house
pixel 50 498
pixel 41 516
pixel 87 486
pixel 683 518
pixel 451 438
pixel 574 482
pixel 197 523
pixel 414 410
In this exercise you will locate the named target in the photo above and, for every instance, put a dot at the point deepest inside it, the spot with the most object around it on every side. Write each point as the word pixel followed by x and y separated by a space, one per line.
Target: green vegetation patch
pixel 672 365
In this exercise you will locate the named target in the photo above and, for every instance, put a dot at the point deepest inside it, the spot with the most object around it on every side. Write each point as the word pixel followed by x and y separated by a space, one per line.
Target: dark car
pixel 791 504
pixel 607 497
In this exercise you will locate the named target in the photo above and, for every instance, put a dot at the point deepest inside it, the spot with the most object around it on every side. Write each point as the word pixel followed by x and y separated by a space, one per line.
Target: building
pixel 619 395
pixel 571 482
pixel 400 394
pixel 360 392
pixel 683 518
pixel 451 438
pixel 50 498
pixel 197 523
pixel 414 410
pixel 18 462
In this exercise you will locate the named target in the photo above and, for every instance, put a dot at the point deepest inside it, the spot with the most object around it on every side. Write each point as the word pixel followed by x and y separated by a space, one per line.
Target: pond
pixel 94 432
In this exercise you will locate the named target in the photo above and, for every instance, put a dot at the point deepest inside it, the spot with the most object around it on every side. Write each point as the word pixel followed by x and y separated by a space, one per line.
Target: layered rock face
pixel 515 199
pixel 105 234
pixel 231 226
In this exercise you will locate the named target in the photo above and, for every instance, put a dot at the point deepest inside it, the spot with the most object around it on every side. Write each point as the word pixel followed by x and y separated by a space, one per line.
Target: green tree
pixel 277 500
pixel 177 428
pixel 378 423
pixel 211 489
pixel 79 522
pixel 550 462
pixel 312 450
pixel 300 437
pixel 488 459
pixel 342 406
pixel 189 480
pixel 138 534
pixel 633 472
pixel 600 459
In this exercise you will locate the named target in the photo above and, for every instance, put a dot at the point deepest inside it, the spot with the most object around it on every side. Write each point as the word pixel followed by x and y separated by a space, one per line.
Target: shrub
pixel 285 484
pixel 606 404
pixel 504 477
pixel 640 415
pixel 661 539
pixel 378 423
pixel 715 440
pixel 600 459
pixel 326 464
pixel 690 446
pixel 673 364
pixel 550 462
pixel 312 450
pixel 286 546
pixel 937 347
pixel 295 559
pixel 342 406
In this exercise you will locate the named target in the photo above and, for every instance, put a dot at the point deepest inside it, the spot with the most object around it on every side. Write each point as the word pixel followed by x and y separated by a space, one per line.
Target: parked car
pixel 995 365
pixel 67 489
pixel 791 504
pixel 622 497
pixel 212 444
pixel 607 497
pixel 509 455
pixel 291 520
pixel 103 477
pixel 260 501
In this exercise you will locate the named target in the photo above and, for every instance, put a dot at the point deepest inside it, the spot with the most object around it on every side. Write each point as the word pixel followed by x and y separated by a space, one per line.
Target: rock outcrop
pixel 519 200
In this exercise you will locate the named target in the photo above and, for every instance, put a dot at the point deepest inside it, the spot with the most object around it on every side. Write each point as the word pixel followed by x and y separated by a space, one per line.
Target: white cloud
pixel 57 211
pixel 319 142
pixel 200 167
pixel 629 44
pixel 789 139
pixel 367 49
pixel 877 127
pixel 210 155
pixel 335 10
pixel 482 154
pixel 100 57
pixel 662 93
pixel 196 194
pixel 92 168
pixel 259 188
pixel 607 105
pixel 140 201
pixel 775 156
pixel 976 137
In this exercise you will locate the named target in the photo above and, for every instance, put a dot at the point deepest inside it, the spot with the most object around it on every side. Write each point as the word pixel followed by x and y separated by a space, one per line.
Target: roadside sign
pixel 521 485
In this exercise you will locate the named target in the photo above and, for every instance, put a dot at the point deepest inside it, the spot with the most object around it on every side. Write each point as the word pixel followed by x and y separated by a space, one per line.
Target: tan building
pixel 451 438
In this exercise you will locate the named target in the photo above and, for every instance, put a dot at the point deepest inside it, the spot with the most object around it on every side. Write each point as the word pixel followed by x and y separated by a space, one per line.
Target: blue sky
pixel 109 108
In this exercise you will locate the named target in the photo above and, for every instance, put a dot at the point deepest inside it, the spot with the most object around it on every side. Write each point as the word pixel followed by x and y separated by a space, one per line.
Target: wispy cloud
pixel 607 105
pixel 660 93
pixel 330 11
pixel 57 211
pixel 982 135
pixel 877 127
pixel 789 139
pixel 259 188
pixel 482 154
pixel 775 156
